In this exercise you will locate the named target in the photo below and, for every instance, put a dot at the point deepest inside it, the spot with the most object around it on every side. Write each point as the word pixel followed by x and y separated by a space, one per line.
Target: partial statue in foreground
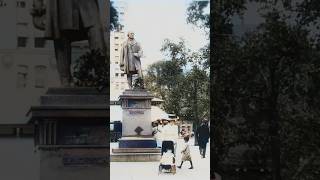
pixel 66 21
pixel 130 63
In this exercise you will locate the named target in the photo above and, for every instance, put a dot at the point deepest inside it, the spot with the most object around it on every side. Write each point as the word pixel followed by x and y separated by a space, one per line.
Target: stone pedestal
pixel 71 134
pixel 137 143
pixel 136 112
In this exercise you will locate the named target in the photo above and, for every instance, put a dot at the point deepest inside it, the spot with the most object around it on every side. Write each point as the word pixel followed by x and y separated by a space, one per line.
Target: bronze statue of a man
pixel 130 55
pixel 65 21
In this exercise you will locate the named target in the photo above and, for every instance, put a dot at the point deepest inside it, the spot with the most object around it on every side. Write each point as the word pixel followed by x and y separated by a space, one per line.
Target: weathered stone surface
pixel 136 105
pixel 136 150
pixel 76 91
pixel 75 96
pixel 81 163
pixel 71 134
pixel 135 157
pixel 133 93
pixel 72 103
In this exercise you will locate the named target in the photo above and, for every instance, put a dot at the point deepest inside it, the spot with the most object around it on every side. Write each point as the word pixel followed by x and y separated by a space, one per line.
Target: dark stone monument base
pixel 136 142
pixel 136 149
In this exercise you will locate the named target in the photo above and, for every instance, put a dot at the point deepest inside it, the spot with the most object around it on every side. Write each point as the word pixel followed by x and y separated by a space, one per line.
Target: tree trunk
pixel 196 116
pixel 274 124
pixel 216 41
pixel 275 146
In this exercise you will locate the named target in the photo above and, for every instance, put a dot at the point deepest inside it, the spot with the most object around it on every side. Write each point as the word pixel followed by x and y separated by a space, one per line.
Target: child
pixel 167 161
pixel 186 156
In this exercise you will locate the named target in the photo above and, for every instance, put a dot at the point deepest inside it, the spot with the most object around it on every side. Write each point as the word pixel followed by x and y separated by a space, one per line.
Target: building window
pixel 122 74
pixel 21 4
pixel 2 3
pixel 40 76
pixel 22 41
pixel 116 49
pixel 117 62
pixel 22 76
pixel 117 74
pixel 39 42
pixel 116 37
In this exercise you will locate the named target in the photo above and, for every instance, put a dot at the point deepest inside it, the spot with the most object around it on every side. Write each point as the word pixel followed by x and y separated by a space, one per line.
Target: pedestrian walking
pixel 202 136
pixel 186 155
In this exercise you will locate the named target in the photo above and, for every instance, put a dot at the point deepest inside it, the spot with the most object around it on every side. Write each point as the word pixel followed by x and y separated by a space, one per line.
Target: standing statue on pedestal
pixel 130 63
pixel 65 21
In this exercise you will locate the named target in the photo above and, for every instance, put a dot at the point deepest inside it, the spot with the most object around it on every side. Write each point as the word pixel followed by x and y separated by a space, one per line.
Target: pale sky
pixel 155 20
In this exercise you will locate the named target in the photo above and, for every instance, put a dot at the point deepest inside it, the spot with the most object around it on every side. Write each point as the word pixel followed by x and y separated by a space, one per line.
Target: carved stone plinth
pixel 71 134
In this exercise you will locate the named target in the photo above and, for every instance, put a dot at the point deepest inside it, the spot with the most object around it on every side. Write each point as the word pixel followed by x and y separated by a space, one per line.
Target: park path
pixel 149 170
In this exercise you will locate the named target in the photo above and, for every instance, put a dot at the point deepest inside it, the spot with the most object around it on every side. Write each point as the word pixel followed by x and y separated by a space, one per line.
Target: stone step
pixel 136 150
pixel 135 157
pixel 77 91
pixel 74 100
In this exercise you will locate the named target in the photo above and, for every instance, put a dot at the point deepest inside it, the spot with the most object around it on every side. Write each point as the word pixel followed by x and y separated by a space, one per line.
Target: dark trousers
pixel 202 149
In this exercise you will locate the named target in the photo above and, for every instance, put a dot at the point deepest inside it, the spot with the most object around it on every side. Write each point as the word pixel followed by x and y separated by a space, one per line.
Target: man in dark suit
pixel 65 21
pixel 202 136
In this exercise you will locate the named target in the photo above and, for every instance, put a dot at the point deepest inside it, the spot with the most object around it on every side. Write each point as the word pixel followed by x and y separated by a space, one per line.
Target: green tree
pixel 114 22
pixel 165 78
pixel 184 90
pixel 196 14
pixel 265 81
pixel 91 70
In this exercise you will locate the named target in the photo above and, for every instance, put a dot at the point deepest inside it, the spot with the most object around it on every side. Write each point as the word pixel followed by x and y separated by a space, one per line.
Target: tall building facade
pixel 118 80
pixel 27 69
pixel 27 61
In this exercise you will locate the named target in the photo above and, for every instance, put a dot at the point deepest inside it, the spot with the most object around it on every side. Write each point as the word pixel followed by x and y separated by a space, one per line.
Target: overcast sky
pixel 155 20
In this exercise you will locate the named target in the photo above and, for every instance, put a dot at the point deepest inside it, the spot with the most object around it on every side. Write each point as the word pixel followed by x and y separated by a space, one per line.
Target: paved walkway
pixel 149 170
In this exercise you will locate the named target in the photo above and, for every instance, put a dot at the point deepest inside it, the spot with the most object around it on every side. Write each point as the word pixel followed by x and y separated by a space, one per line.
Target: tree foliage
pixel 91 70
pixel 184 90
pixel 197 16
pixel 264 91
pixel 114 22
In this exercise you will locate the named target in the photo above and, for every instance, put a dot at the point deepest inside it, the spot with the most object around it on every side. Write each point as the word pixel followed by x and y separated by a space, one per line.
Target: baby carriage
pixel 167 161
